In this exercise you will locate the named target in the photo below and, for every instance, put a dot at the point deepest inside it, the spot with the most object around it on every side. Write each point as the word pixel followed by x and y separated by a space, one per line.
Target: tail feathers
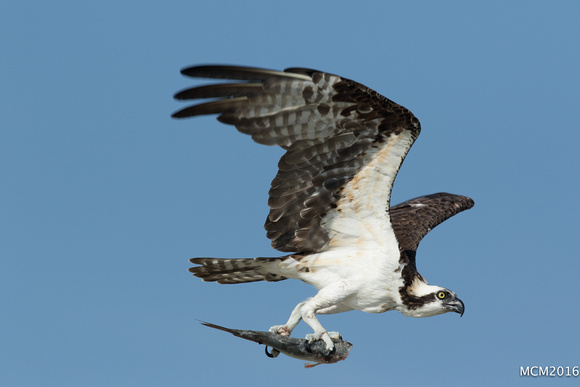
pixel 235 271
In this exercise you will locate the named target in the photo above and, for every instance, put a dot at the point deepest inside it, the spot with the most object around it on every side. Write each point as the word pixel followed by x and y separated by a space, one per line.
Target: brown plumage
pixel 325 122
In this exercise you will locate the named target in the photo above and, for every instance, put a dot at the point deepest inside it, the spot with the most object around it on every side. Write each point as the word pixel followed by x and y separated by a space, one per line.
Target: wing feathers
pixel 237 72
pixel 215 107
pixel 413 219
pixel 330 127
pixel 302 155
pixel 220 91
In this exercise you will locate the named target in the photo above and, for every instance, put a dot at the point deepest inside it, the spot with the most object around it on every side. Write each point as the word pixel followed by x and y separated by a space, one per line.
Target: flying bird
pixel 330 200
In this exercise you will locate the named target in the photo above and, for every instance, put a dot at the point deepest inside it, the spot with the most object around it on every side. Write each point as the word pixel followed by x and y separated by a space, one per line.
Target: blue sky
pixel 105 197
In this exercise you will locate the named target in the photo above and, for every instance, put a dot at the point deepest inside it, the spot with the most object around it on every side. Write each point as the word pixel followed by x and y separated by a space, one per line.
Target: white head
pixel 423 300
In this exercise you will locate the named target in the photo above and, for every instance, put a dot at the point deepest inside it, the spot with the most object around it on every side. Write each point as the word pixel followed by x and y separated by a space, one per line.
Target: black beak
pixel 456 306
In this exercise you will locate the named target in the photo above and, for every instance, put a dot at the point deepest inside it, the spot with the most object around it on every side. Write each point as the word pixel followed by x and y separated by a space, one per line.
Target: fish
pixel 302 349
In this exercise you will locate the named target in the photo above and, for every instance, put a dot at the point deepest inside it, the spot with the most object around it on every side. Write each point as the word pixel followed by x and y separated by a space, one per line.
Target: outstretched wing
pixel 413 219
pixel 344 145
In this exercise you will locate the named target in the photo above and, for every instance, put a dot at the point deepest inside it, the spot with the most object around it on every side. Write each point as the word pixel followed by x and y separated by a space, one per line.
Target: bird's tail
pixel 236 271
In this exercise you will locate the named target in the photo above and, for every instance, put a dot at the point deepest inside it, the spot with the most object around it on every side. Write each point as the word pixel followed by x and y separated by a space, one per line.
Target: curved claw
pixel 282 330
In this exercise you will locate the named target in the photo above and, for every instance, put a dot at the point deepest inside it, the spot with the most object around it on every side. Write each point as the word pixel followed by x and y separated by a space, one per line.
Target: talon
pixel 335 336
pixel 281 330
pixel 328 341
pixel 324 336
pixel 312 337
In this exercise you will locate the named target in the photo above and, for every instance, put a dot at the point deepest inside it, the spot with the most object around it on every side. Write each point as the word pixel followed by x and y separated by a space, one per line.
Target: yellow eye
pixel 441 295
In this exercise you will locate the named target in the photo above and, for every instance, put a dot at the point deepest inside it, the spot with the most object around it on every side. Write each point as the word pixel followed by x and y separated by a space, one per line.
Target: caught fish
pixel 315 351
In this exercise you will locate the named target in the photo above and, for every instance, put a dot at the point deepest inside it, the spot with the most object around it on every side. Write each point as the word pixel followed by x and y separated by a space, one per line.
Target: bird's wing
pixel 344 145
pixel 413 219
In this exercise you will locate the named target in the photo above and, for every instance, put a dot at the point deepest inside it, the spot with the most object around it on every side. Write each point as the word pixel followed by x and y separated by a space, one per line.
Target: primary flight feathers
pixel 325 122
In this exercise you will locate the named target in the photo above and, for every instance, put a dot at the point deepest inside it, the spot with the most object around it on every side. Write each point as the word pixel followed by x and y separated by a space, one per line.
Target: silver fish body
pixel 314 351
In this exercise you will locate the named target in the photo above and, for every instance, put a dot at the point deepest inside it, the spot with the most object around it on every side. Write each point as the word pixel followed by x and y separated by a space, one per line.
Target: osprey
pixel 330 201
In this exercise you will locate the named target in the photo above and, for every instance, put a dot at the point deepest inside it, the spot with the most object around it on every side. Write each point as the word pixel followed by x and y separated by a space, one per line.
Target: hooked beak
pixel 456 306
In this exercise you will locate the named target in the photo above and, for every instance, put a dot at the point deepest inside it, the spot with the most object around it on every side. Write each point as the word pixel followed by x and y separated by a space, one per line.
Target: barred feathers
pixel 235 271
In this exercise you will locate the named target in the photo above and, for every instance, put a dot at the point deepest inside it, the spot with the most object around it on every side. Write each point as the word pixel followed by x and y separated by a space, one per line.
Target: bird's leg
pixel 286 329
pixel 309 317
pixel 325 301
pixel 339 308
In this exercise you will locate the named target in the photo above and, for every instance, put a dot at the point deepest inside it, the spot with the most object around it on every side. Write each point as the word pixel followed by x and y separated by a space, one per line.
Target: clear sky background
pixel 105 197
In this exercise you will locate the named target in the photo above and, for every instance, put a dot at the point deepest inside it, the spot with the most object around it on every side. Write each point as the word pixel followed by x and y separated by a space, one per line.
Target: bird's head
pixel 426 300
